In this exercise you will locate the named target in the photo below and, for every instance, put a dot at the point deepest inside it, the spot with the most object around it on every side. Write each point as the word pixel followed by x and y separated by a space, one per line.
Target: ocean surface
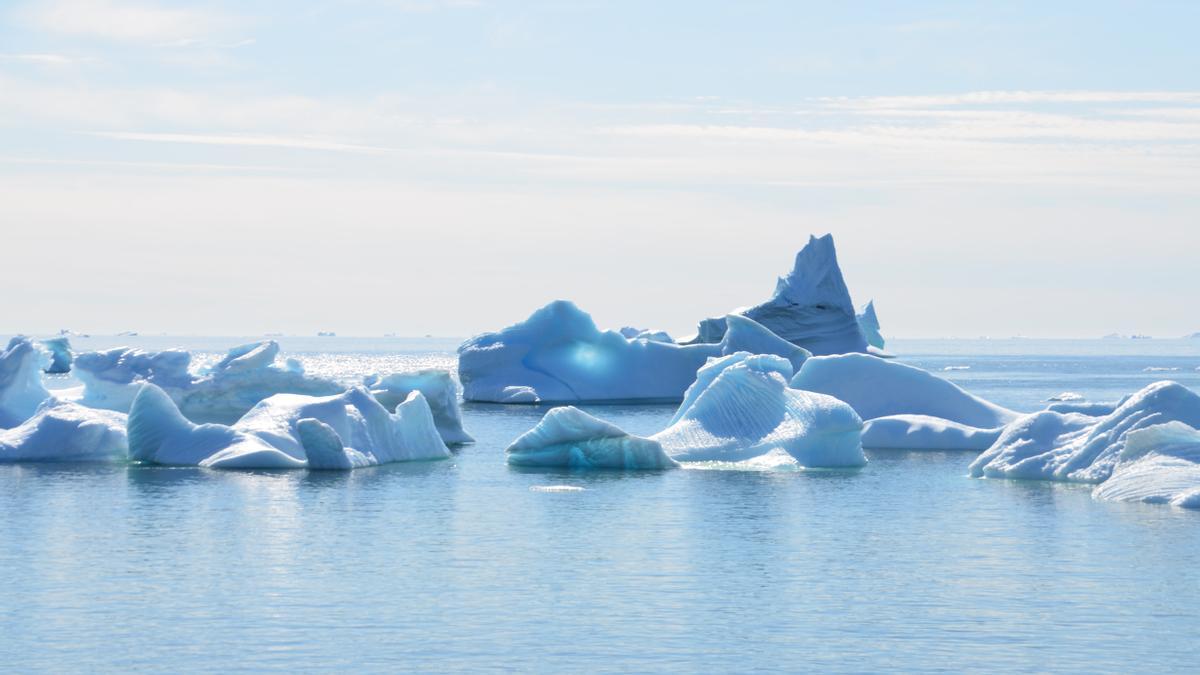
pixel 467 564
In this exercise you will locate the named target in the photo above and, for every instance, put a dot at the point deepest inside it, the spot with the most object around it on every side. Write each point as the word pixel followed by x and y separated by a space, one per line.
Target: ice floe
pixel 345 431
pixel 1160 465
pixel 811 306
pixel 61 355
pixel 569 437
pixel 558 355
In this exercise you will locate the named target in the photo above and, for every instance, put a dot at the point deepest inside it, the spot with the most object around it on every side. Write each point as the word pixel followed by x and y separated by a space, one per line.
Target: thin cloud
pixel 124 21
pixel 47 59
pixel 296 142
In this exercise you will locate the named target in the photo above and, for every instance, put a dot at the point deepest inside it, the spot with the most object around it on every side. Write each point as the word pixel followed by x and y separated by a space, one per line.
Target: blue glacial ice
pixel 868 323
pixel 221 393
pixel 286 431
pixel 439 389
pixel 61 355
pixel 569 437
pixel 21 388
pixel 558 355
pixel 739 411
pixel 811 306
pixel 904 406
pixel 1074 447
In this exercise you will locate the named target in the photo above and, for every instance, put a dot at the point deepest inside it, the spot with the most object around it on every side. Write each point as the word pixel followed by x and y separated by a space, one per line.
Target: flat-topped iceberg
pixel 21 388
pixel 221 393
pixel 59 431
pixel 568 437
pixel 286 431
pixel 1049 445
pixel 905 407
pixel 61 355
pixel 440 391
pixel 739 410
pixel 558 355
pixel 811 306
pixel 1159 465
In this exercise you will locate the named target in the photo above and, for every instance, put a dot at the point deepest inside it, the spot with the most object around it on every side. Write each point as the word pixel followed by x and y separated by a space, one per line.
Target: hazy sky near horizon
pixel 446 167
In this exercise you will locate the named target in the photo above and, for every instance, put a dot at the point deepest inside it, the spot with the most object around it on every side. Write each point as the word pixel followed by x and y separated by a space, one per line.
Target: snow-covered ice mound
pixel 345 431
pixel 877 387
pixel 222 393
pixel 569 437
pixel 440 391
pixel 21 388
pixel 558 355
pixel 1057 446
pixel 904 406
pixel 61 355
pixel 1159 465
pixel 741 408
pixel 811 306
pixel 65 432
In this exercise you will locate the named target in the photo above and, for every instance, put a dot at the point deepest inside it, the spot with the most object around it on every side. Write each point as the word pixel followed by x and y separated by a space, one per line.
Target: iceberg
pixel 558 355
pixel 568 437
pixel 440 391
pixel 60 355
pixel 868 323
pixel 60 431
pixel 877 387
pixel 1159 465
pixel 1050 445
pixel 286 431
pixel 811 306
pixel 222 393
pixel 644 334
pixel 739 410
pixel 922 432
pixel 21 388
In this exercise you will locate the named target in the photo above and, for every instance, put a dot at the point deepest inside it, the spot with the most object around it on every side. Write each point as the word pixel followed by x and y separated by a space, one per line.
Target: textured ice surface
pixel 1050 445
pixel 558 355
pixel 221 393
pixel 811 306
pixel 1160 464
pixel 345 431
pixel 741 408
pixel 60 355
pixel 569 437
pixel 21 389
pixel 877 387
pixel 65 432
pixel 440 391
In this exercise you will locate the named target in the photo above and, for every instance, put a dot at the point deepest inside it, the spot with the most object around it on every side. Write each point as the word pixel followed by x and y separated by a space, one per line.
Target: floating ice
pixel 740 408
pixel 877 387
pixel 21 389
pixel 868 323
pixel 558 355
pixel 1067 396
pixel 1160 369
pixel 811 306
pixel 569 437
pixel 643 334
pixel 440 391
pixel 222 393
pixel 922 432
pixel 349 430
pixel 60 431
pixel 1160 464
pixel 952 368
pixel 60 355
pixel 1050 445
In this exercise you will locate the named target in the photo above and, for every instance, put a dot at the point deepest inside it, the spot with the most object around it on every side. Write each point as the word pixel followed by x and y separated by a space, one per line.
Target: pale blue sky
pixel 426 166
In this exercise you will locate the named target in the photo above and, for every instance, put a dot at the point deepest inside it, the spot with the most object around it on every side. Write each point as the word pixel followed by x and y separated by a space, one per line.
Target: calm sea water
pixel 467 564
